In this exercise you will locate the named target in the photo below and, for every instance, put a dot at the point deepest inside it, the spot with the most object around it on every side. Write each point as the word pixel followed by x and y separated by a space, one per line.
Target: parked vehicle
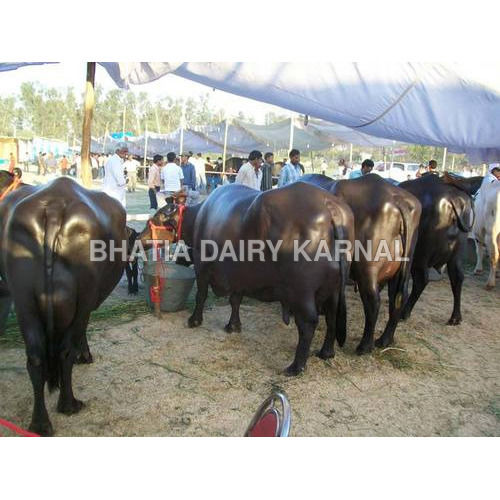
pixel 396 170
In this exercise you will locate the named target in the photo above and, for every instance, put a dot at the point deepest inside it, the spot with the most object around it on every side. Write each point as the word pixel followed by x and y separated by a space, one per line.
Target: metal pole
pixel 123 123
pixel 183 118
pixel 145 150
pixel 87 122
pixel 292 127
pixel 105 139
pixel 225 150
pixel 444 158
pixel 157 121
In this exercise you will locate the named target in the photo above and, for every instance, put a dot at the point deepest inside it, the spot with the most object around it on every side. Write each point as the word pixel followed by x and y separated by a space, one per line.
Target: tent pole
pixel 87 122
pixel 291 132
pixel 224 153
pixel 444 158
pixel 145 149
pixel 183 118
pixel 123 122
pixel 157 121
pixel 105 137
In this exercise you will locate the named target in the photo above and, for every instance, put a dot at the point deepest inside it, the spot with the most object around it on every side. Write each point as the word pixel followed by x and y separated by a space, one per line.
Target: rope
pixel 16 429
pixel 11 187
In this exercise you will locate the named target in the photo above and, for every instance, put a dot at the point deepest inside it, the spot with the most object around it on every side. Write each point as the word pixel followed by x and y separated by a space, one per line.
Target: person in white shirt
pixel 131 165
pixel 250 173
pixel 114 183
pixel 172 177
pixel 199 166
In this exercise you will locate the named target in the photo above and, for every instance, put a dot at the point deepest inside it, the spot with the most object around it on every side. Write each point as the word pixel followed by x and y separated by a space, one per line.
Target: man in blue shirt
pixel 189 172
pixel 366 168
pixel 291 172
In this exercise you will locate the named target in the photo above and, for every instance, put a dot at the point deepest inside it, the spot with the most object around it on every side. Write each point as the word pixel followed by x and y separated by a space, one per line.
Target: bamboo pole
pixel 444 158
pixel 87 123
pixel 292 129
pixel 145 149
pixel 350 156
pixel 453 163
pixel 123 122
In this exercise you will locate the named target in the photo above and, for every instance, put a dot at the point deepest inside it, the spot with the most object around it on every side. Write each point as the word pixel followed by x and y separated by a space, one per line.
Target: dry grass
pixel 157 377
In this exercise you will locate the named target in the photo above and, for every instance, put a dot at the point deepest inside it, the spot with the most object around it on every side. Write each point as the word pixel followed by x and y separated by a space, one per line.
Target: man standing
pixel 154 181
pixel 131 166
pixel 12 163
pixel 63 164
pixel 267 172
pixel 199 165
pixel 291 172
pixel 189 182
pixel 366 168
pixel 250 173
pixel 114 182
pixel 431 169
pixel 26 161
pixel 101 161
pixel 172 177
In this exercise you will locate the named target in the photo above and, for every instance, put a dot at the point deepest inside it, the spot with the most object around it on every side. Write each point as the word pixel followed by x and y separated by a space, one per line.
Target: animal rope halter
pixel 156 289
pixel 11 187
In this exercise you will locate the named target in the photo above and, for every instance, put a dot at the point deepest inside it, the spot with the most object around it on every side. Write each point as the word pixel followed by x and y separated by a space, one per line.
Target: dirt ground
pixel 158 378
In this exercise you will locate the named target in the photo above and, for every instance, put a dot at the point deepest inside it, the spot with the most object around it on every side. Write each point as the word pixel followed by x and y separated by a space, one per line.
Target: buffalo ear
pixel 180 197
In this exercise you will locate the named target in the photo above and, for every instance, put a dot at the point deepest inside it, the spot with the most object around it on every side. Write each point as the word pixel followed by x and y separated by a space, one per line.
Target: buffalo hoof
pixel 489 287
pixel 478 272
pixel 325 354
pixel 293 370
pixel 454 321
pixel 84 358
pixel 382 343
pixel 194 322
pixel 42 428
pixel 364 349
pixel 133 291
pixel 69 407
pixel 233 328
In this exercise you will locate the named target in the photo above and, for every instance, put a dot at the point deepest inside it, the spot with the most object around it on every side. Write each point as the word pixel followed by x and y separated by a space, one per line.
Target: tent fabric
pixel 448 105
pixel 243 138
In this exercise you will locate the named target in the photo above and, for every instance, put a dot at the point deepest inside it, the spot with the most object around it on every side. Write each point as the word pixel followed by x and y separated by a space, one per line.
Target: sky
pixel 73 74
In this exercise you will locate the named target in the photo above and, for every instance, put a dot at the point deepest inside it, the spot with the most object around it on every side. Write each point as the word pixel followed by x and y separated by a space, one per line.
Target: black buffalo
pixel 447 217
pixel 299 213
pixel 45 265
pixel 382 212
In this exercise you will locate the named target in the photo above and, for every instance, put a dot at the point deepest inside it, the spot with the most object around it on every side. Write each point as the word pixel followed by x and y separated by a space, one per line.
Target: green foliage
pixel 50 112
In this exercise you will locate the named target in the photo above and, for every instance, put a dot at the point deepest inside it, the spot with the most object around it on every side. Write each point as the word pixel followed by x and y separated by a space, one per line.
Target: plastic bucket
pixel 178 282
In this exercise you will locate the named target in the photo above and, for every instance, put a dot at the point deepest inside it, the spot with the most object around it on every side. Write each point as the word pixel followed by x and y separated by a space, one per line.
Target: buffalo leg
pixel 420 280
pixel 196 319
pixel 36 352
pixel 234 324
pixel 479 257
pixel 331 311
pixel 84 357
pixel 493 254
pixel 456 276
pixel 75 337
pixel 306 321
pixel 370 296
pixel 387 337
